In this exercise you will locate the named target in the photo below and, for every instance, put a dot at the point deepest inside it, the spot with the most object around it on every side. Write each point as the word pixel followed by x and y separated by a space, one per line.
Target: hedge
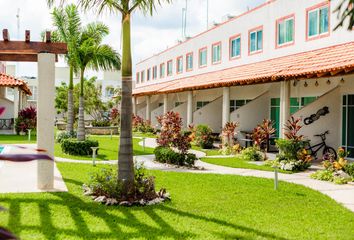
pixel 78 148
pixel 167 155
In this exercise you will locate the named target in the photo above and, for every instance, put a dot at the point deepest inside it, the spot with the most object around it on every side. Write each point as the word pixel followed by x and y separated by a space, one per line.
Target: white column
pixel 148 108
pixel 16 104
pixel 284 106
pixel 165 103
pixel 45 118
pixel 190 108
pixel 134 105
pixel 225 105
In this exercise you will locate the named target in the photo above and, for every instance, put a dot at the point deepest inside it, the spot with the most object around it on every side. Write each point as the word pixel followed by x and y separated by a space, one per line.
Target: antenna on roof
pixel 184 20
pixel 207 14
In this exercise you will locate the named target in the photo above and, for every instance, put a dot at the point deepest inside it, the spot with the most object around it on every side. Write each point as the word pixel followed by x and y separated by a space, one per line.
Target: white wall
pixel 211 115
pixel 266 16
pixel 331 121
pixel 9 108
pixel 251 114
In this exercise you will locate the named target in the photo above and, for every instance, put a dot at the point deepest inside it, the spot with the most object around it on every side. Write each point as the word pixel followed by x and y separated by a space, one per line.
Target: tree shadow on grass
pixel 120 222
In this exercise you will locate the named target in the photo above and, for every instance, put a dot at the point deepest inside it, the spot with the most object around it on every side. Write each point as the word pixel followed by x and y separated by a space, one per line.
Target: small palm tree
pixel 92 54
pixel 68 29
pixel 126 9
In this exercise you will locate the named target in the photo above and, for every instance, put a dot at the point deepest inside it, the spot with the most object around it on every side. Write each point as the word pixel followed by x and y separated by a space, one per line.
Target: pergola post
pixel 45 117
pixel 284 106
pixel 148 108
pixel 16 104
pixel 165 103
pixel 189 108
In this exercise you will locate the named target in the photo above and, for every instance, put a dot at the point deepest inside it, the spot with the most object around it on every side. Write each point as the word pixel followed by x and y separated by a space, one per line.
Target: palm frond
pixel 95 31
pixel 105 58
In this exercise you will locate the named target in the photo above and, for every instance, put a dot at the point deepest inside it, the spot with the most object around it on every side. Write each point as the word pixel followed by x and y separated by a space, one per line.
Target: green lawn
pixel 208 152
pixel 204 206
pixel 108 149
pixel 16 139
pixel 236 162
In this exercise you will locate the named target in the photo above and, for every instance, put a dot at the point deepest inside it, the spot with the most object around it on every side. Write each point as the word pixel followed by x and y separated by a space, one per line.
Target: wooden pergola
pixel 45 54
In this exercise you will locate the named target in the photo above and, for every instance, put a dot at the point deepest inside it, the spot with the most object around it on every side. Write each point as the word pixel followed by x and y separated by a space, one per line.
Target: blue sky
pixel 150 35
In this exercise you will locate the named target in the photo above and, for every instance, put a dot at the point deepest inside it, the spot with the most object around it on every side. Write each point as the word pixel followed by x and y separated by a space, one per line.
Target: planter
pixel 102 130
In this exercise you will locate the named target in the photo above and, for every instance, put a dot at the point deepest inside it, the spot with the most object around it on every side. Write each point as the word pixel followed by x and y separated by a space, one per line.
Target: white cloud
pixel 149 34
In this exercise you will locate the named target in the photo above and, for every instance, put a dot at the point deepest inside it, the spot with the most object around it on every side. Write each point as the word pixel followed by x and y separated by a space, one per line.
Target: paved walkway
pixel 343 194
pixel 22 177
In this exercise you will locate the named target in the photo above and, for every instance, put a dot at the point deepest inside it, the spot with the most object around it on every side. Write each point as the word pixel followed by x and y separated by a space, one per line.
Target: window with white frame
pixel 162 70
pixel 235 47
pixel 201 104
pixel 178 103
pixel 216 53
pixel 154 72
pixel 236 104
pixel 142 76
pixel 189 61
pixel 34 91
pixel 137 77
pixel 148 74
pixel 318 21
pixel 256 40
pixel 169 68
pixel 179 65
pixel 285 29
pixel 203 56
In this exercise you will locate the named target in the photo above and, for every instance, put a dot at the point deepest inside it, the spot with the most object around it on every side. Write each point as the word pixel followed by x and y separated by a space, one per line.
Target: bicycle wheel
pixel 331 151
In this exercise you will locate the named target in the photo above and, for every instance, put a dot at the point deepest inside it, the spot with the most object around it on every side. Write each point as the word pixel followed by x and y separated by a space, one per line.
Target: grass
pixel 236 162
pixel 108 149
pixel 146 135
pixel 208 152
pixel 16 139
pixel 203 206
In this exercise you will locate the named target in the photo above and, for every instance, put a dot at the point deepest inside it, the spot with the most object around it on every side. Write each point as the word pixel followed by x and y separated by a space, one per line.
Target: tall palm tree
pixel 68 26
pixel 92 54
pixel 126 9
pixel 345 11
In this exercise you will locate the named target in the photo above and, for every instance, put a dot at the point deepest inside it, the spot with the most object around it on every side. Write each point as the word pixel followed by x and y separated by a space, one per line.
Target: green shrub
pixel 167 155
pixel 105 183
pixel 65 135
pixel 78 148
pixel 289 148
pixel 349 169
pixel 251 154
pixel 204 136
pixel 323 175
pixel 101 123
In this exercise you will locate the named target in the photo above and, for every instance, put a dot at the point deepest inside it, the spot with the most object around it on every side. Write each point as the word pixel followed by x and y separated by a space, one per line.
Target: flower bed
pixel 337 170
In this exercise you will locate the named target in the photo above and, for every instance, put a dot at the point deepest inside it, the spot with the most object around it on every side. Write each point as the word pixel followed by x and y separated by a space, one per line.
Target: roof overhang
pixel 329 61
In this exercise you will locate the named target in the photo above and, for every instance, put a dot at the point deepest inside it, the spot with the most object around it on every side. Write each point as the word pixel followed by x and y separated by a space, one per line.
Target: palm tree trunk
pixel 70 116
pixel 125 155
pixel 81 123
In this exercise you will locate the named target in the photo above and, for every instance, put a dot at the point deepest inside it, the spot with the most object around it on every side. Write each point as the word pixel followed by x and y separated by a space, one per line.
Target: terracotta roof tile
pixel 9 81
pixel 326 61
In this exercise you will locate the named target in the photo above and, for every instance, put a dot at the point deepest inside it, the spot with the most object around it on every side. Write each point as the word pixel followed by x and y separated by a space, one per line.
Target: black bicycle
pixel 326 149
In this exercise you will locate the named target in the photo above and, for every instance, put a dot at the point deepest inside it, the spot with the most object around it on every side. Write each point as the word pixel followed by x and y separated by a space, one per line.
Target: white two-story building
pixel 279 59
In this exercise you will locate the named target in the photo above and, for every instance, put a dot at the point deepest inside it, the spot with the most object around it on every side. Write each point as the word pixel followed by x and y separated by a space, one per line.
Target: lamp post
pixel 94 152
pixel 144 144
pixel 275 177
pixel 29 134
